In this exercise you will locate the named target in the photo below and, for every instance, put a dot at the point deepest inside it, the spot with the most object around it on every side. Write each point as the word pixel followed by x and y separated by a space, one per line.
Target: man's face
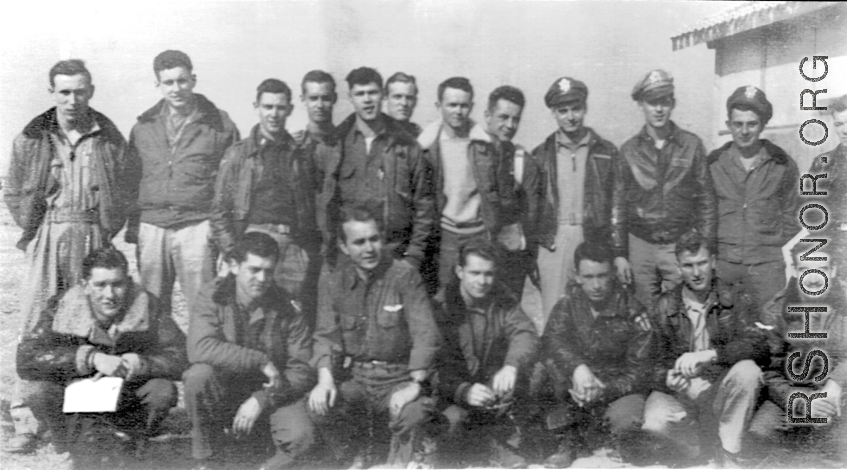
pixel 71 94
pixel 595 279
pixel 455 107
pixel 366 100
pixel 402 98
pixel 253 276
pixel 503 120
pixel 108 291
pixel 318 98
pixel 840 124
pixel 363 243
pixel 176 86
pixel 569 116
pixel 745 127
pixel 657 112
pixel 697 268
pixel 273 109
pixel 814 282
pixel 476 277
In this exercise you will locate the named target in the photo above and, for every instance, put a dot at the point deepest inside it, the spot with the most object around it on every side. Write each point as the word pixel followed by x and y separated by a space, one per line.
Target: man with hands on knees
pixel 109 327
pixel 489 346
pixel 249 348
pixel 375 342
pixel 707 357
pixel 596 347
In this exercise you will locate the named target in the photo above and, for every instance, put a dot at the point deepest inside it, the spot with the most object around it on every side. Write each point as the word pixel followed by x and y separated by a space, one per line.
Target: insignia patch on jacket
pixel 393 308
pixel 643 322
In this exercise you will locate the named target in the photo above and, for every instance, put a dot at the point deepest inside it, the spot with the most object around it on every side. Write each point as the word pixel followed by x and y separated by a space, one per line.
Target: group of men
pixel 359 285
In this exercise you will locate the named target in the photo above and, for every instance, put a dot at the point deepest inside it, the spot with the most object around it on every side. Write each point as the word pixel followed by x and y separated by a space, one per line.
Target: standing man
pixel 474 190
pixel 666 189
pixel 372 161
pixel 318 97
pixel 502 118
pixel 597 350
pixel 579 171
pixel 401 93
pixel 706 376
pixel 489 348
pixel 264 185
pixel 375 344
pixel 176 148
pixel 249 350
pixel 66 191
pixel 756 185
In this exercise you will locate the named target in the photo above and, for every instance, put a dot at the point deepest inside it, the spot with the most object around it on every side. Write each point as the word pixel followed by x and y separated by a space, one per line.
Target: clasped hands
pixel 502 384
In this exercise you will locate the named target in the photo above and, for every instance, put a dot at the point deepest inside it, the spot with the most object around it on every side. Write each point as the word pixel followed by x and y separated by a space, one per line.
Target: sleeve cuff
pixel 262 397
pixel 421 360
pixel 83 359
pixel 461 391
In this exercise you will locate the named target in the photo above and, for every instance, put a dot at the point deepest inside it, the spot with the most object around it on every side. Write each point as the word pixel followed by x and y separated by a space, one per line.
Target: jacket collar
pixel 47 122
pixel 393 130
pixel 576 293
pixel 75 316
pixel 255 140
pixel 673 135
pixel 772 152
pixel 713 300
pixel 209 113
pixel 351 277
pixel 432 132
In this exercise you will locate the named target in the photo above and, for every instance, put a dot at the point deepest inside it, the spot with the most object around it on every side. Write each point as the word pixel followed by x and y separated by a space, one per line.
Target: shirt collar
pixel 351 274
pixel 672 135
pixel 562 140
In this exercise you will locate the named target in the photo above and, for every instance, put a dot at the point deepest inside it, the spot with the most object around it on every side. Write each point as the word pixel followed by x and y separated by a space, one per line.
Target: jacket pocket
pixel 389 316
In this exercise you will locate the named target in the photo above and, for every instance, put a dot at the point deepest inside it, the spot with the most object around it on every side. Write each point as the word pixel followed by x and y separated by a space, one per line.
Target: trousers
pixel 654 269
pixel 762 281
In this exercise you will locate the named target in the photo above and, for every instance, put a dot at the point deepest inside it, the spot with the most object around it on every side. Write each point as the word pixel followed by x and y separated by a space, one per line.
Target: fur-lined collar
pixel 432 132
pixel 47 122
pixel 209 113
pixel 74 314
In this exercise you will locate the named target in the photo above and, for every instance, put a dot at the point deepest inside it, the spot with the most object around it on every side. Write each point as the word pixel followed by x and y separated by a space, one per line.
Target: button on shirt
pixel 385 318
pixel 570 177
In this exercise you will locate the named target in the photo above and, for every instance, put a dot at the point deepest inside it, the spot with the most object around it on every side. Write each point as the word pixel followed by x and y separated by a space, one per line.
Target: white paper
pixel 93 396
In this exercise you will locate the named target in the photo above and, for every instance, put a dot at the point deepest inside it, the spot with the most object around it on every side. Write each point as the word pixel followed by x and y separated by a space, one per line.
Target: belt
pixel 571 219
pixel 369 365
pixel 58 217
pixel 276 228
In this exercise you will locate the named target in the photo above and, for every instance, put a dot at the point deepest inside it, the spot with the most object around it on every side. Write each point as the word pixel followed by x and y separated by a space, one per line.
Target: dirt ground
pixel 814 448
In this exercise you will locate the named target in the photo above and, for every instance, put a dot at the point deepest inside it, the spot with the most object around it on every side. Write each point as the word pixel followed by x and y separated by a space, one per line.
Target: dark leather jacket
pixel 661 201
pixel 408 212
pixel 58 349
pixel 730 315
pixel 602 178
pixel 616 345
pixel 240 170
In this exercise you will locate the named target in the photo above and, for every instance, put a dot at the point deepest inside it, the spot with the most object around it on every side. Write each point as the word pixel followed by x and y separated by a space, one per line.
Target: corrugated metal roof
pixel 745 17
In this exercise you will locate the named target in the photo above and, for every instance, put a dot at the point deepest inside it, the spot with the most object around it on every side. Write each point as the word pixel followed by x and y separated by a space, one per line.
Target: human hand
pixel 479 395
pixel 246 416
pixel 830 406
pixel 108 365
pixel 504 380
pixel 676 381
pixel 134 365
pixel 691 363
pixel 322 397
pixel 586 386
pixel 272 373
pixel 403 397
pixel 624 270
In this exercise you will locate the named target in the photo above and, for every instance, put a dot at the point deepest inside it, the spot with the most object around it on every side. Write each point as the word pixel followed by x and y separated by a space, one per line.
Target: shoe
pixel 727 459
pixel 561 459
pixel 503 456
pixel 21 444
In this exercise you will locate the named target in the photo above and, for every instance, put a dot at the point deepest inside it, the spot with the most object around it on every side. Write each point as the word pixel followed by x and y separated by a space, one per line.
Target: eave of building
pixel 750 15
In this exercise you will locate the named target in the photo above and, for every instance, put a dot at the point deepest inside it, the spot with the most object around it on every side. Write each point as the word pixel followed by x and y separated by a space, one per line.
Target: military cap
pixel 752 98
pixel 565 90
pixel 656 84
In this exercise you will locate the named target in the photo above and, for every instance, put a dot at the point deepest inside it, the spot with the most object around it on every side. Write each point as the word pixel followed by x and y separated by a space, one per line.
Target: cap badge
pixel 564 85
pixel 750 92
pixel 655 77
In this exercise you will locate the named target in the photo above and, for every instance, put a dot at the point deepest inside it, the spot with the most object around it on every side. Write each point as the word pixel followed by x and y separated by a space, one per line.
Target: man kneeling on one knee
pixel 249 349
pixel 706 375
pixel 107 326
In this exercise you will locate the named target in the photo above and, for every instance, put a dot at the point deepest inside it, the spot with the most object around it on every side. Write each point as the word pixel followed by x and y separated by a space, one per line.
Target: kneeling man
pixel 106 326
pixel 249 349
pixel 489 346
pixel 596 346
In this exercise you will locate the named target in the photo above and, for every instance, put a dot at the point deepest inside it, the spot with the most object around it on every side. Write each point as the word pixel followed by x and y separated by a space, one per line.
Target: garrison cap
pixel 752 98
pixel 656 84
pixel 565 90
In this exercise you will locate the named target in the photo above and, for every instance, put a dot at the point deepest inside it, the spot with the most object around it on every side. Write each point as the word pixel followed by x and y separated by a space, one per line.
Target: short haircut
pixel 317 76
pixel 171 59
pixel 800 248
pixel 745 107
pixel 508 93
pixel 839 105
pixel 363 76
pixel 592 251
pixel 692 241
pixel 69 67
pixel 106 258
pixel 480 248
pixel 459 83
pixel 355 212
pixel 272 85
pixel 258 243
pixel 401 77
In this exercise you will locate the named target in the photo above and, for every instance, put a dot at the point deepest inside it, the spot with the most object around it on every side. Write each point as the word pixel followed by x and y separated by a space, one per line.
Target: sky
pixel 236 44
